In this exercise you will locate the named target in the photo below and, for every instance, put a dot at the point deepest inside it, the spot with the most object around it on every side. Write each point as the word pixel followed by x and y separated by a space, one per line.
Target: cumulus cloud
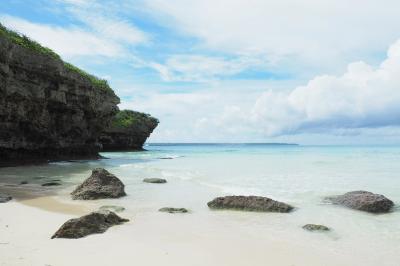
pixel 363 97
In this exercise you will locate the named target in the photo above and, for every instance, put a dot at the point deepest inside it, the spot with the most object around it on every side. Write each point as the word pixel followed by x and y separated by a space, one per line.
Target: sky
pixel 299 71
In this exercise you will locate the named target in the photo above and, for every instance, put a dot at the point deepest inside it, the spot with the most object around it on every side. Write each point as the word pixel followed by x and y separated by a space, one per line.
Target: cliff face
pixel 47 110
pixel 128 131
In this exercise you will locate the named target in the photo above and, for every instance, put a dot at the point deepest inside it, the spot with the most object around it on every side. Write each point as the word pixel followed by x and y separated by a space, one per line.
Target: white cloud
pixel 103 33
pixel 68 42
pixel 310 33
pixel 363 97
pixel 203 68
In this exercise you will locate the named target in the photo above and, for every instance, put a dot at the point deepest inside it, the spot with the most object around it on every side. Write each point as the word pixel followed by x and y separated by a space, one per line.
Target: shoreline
pixel 201 236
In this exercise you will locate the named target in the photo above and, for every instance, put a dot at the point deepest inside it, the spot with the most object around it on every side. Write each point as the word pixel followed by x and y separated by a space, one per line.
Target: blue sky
pixel 306 71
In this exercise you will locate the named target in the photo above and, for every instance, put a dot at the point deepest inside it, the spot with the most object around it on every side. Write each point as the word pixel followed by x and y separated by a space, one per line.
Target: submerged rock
pixel 51 184
pixel 249 203
pixel 316 227
pixel 112 208
pixel 100 185
pixel 93 223
pixel 155 180
pixel 5 198
pixel 173 210
pixel 363 201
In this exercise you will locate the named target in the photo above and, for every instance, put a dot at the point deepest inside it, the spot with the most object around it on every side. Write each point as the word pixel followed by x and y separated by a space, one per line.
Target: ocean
pixel 299 175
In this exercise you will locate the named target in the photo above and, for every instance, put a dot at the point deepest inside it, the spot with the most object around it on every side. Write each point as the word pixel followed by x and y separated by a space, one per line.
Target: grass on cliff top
pixel 26 42
pixel 127 118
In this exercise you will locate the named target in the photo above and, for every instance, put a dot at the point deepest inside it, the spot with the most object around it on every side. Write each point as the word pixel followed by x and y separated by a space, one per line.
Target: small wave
pixel 169 157
pixel 234 190
pixel 183 175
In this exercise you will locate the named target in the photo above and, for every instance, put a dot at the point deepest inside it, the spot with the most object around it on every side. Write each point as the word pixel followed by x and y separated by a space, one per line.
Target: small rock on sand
pixel 316 227
pixel 155 180
pixel 173 210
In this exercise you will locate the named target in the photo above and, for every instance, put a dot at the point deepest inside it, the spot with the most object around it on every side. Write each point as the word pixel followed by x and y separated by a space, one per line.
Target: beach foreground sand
pixel 150 238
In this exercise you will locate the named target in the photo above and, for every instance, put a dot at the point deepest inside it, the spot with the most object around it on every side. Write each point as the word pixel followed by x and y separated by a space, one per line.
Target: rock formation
pixel 52 110
pixel 249 203
pixel 128 131
pixel 363 201
pixel 100 185
pixel 93 223
pixel 48 108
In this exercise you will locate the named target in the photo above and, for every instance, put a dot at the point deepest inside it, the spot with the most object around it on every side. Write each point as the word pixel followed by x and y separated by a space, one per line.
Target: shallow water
pixel 299 175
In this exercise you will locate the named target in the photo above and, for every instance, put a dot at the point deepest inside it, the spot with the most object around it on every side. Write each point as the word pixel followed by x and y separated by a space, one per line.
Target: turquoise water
pixel 299 175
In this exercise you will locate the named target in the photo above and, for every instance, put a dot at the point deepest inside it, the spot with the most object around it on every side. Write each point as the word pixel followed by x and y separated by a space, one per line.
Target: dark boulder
pixel 101 184
pixel 173 210
pixel 316 227
pixel 4 198
pixel 363 201
pixel 155 180
pixel 249 203
pixel 93 223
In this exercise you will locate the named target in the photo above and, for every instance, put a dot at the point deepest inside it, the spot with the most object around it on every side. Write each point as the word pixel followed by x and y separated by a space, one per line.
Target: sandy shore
pixel 150 238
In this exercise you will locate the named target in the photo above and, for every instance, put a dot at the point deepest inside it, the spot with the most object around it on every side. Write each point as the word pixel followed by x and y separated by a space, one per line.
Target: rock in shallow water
pixel 93 223
pixel 316 227
pixel 249 203
pixel 363 201
pixel 5 198
pixel 173 210
pixel 100 185
pixel 155 180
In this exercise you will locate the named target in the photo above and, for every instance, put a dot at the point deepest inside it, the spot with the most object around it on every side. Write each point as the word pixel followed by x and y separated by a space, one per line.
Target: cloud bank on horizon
pixel 236 70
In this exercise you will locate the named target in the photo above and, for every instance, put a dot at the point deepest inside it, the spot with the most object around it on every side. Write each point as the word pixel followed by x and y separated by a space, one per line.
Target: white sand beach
pixel 160 239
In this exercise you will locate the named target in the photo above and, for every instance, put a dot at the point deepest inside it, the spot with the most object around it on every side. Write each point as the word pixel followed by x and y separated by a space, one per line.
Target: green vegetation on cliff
pixel 26 42
pixel 128 118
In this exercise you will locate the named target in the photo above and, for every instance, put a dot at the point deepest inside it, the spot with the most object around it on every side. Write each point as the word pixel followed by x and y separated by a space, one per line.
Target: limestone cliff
pixel 48 108
pixel 128 131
